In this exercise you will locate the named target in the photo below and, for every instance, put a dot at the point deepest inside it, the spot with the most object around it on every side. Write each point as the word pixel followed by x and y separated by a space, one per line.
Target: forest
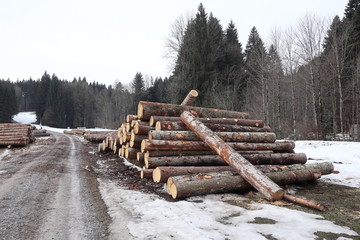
pixel 304 82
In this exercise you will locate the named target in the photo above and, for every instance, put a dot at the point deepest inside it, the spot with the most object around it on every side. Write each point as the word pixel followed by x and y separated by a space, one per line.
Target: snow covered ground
pixel 211 217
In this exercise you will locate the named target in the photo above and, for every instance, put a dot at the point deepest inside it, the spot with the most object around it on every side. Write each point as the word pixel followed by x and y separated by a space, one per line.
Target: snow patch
pixel 206 217
pixel 4 154
pixel 344 155
pixel 25 117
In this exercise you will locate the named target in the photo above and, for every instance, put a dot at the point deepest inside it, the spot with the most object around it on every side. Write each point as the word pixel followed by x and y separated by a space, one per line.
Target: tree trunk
pixel 222 182
pixel 180 126
pixel 253 137
pixel 147 145
pixel 130 118
pixel 130 153
pixel 208 160
pixel 148 109
pixel 256 178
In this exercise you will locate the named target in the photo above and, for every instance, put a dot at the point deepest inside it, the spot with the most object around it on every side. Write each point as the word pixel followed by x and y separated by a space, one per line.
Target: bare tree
pixel 309 35
pixel 290 63
pixel 175 38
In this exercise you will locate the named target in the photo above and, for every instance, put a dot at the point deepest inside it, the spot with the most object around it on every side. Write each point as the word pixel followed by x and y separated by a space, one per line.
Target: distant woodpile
pixel 197 150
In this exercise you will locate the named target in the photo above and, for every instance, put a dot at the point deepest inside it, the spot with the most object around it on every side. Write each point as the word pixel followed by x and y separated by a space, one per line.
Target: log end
pixel 151 121
pixel 143 145
pixel 156 175
pixel 158 126
pixel 140 111
pixel 173 191
pixel 136 128
pixel 278 195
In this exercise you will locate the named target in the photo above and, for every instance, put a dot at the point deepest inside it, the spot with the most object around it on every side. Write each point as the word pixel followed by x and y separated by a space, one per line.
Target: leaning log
pixel 180 126
pixel 148 109
pixel 222 182
pixel 256 178
pixel 252 137
pixel 215 160
pixel 147 145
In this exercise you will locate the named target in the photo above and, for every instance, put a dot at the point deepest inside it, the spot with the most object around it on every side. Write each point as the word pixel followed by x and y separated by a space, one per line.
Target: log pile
pixel 40 133
pixel 15 134
pixel 198 150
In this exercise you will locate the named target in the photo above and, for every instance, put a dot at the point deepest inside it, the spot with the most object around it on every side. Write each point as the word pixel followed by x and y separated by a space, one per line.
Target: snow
pixel 206 217
pixel 25 117
pixel 344 155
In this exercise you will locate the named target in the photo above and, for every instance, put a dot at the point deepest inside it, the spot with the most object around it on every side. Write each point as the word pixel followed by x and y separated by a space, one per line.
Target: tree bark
pixel 222 182
pixel 162 145
pixel 256 178
pixel 180 126
pixel 253 137
pixel 148 109
pixel 146 173
pixel 215 160
pixel 130 153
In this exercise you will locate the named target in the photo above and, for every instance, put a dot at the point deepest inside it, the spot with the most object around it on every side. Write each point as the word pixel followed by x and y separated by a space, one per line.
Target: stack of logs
pixel 158 140
pixel 16 134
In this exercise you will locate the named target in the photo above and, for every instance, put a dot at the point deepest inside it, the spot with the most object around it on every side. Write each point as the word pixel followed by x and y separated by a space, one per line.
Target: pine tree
pixel 138 86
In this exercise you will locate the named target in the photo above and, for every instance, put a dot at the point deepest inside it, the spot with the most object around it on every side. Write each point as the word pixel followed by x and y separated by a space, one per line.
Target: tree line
pixel 304 83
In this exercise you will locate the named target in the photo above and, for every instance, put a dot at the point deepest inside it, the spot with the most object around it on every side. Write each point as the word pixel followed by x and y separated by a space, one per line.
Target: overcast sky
pixel 108 40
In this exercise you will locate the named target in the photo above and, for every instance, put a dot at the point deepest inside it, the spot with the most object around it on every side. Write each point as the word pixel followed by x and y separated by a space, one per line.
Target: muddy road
pixel 46 192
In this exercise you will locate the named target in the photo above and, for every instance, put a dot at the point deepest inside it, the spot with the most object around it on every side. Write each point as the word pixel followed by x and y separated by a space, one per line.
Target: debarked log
pixel 259 137
pixel 231 121
pixel 147 145
pixel 222 182
pixel 215 160
pixel 161 174
pixel 148 109
pixel 180 126
pixel 256 178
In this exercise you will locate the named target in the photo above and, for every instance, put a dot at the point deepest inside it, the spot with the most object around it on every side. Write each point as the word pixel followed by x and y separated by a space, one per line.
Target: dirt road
pixel 45 193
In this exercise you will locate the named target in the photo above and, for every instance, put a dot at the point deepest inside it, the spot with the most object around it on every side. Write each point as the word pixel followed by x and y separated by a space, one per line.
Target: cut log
pixel 140 159
pixel 180 126
pixel 231 121
pixel 305 202
pixel 156 153
pixel 146 173
pixel 252 137
pixel 162 145
pixel 161 174
pixel 256 178
pixel 190 98
pixel 130 153
pixel 215 160
pixel 148 109
pixel 129 118
pixel 222 182
pixel 142 129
